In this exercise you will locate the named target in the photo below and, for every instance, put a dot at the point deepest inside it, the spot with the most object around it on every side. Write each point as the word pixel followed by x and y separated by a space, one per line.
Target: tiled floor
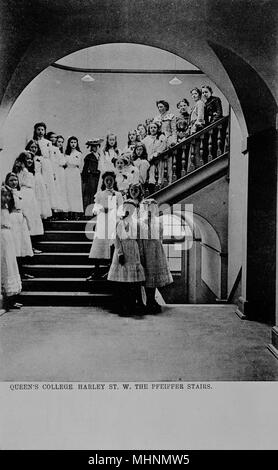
pixel 190 343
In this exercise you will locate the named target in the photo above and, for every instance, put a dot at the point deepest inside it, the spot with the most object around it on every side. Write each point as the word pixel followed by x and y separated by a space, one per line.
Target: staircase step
pixel 65 246
pixel 70 225
pixel 54 298
pixel 71 284
pixel 61 258
pixel 65 235
pixel 59 270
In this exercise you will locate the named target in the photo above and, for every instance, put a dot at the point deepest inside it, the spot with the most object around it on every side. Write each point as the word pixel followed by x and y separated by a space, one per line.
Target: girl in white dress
pixel 142 132
pixel 61 175
pixel 40 186
pixel 132 138
pixel 109 153
pixel 58 163
pixel 123 177
pixel 19 228
pixel 24 168
pixel 73 178
pixel 130 169
pixel 155 144
pixel 107 203
pixel 10 278
pixel 140 160
pixel 47 167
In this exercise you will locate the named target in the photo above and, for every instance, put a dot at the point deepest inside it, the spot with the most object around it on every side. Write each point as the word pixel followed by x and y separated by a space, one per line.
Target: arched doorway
pixel 193 42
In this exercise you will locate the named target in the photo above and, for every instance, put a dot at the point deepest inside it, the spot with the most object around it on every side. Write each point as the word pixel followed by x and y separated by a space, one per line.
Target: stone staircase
pixel 61 269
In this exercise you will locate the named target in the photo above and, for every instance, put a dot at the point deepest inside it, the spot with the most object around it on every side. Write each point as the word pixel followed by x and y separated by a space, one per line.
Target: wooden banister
pixel 192 153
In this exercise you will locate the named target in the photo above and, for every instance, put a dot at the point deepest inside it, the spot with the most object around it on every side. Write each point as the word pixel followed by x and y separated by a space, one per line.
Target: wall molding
pixel 146 71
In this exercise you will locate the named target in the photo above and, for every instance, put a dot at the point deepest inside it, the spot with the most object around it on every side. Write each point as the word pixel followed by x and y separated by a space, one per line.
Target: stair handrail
pixel 186 140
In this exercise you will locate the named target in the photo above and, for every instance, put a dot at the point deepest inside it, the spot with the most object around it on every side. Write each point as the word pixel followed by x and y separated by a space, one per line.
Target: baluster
pixel 183 161
pixel 227 139
pixel 165 171
pixel 210 157
pixel 174 166
pixel 170 167
pixel 201 150
pixel 219 141
pixel 192 156
pixel 156 174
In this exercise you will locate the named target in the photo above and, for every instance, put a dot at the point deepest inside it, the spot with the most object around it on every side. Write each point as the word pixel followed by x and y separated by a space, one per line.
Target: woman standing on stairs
pixel 24 168
pixel 46 161
pixel 19 228
pixel 61 175
pixel 109 153
pixel 55 160
pixel 40 186
pixel 73 178
pixel 10 278
pixel 155 144
pixel 90 173
pixel 107 203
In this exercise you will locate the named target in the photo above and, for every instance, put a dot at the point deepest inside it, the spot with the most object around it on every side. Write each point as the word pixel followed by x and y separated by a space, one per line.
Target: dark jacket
pixel 213 110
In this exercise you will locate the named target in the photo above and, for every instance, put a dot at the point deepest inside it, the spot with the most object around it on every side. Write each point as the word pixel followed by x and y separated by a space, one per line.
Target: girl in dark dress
pixel 90 173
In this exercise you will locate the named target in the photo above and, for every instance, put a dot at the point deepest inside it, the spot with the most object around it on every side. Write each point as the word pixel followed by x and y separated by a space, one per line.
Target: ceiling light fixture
pixel 87 78
pixel 175 81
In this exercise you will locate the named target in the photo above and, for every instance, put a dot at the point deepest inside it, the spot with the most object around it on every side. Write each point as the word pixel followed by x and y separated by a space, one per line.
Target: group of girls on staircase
pixel 48 182
pixel 128 237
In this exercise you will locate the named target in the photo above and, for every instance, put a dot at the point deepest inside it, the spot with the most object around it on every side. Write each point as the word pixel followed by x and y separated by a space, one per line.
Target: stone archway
pixel 194 34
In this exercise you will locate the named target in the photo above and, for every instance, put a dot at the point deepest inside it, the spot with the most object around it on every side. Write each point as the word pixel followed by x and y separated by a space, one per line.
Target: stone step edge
pixel 64 293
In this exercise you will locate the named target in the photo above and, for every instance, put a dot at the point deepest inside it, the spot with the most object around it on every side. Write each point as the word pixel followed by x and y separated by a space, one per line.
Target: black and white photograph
pixel 138 146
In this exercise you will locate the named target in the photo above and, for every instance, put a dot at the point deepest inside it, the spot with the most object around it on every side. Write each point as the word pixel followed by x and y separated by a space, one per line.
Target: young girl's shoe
pixel 16 306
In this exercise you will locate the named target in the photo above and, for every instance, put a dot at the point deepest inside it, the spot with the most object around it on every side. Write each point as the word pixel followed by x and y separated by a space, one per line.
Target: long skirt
pixel 48 178
pixel 73 187
pixel 21 235
pixel 89 189
pixel 31 211
pixel 10 278
pixel 61 189
pixel 155 264
pixel 42 196
pixel 132 269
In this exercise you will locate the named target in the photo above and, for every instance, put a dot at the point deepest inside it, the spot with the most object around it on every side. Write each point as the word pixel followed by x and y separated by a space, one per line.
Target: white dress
pixel 10 278
pixel 143 166
pixel 106 207
pixel 48 171
pixel 40 189
pixel 58 162
pixel 19 228
pixel 126 244
pixel 105 163
pixel 155 146
pixel 73 181
pixel 30 207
